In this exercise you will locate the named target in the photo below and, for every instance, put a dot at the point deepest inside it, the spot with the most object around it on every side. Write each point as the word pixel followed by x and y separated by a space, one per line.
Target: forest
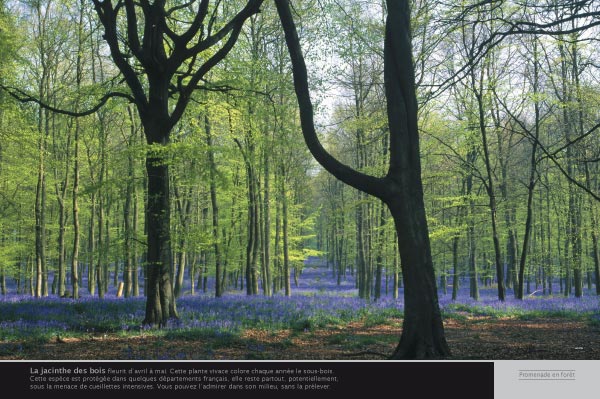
pixel 299 179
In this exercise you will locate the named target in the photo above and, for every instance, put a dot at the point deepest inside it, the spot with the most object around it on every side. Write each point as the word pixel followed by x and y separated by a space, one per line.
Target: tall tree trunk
pixel 278 268
pixel 92 246
pixel 106 251
pixel 135 254
pixel 267 284
pixel 380 248
pixel 361 263
pixel 215 209
pixel 60 277
pixel 576 225
pixel 473 272
pixel 61 189
pixel 40 213
pixel 100 266
pixel 491 194
pixel 549 257
pixel 532 174
pixel 594 229
pixel 396 268
pixel 285 228
pixel 509 221
pixel 184 207
pixel 127 216
pixel 76 233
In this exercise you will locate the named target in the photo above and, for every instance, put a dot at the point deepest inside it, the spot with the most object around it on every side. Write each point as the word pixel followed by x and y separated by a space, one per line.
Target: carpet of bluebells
pixel 318 301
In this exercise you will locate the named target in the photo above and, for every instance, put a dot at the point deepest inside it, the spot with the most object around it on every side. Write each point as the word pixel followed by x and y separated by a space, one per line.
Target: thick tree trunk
pixel 160 304
pixel 423 331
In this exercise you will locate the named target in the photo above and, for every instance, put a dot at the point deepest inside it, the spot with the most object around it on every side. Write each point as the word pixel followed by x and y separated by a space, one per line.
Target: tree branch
pixel 132 33
pixel 251 8
pixel 363 182
pixel 108 18
pixel 24 98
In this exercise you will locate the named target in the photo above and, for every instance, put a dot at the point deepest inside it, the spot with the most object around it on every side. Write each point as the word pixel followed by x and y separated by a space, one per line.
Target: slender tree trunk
pixel 380 247
pixel 455 272
pixel 60 277
pixel 76 233
pixel 549 257
pixel 135 255
pixel 184 207
pixel 277 286
pixel 61 190
pixel 100 267
pixel 2 281
pixel 492 198
pixel 75 200
pixel 250 261
pixel 215 209
pixel 594 233
pixel 473 269
pixel 396 270
pixel 92 247
pixel 106 251
pixel 40 214
pixel 528 226
pixel 127 216
pixel 532 175
pixel 284 217
pixel 267 227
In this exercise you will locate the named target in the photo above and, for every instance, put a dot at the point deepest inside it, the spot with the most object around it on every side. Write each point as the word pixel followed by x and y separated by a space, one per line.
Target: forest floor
pixel 469 337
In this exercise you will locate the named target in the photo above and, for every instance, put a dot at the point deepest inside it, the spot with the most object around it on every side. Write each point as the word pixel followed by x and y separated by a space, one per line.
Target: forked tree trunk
pixel 401 189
